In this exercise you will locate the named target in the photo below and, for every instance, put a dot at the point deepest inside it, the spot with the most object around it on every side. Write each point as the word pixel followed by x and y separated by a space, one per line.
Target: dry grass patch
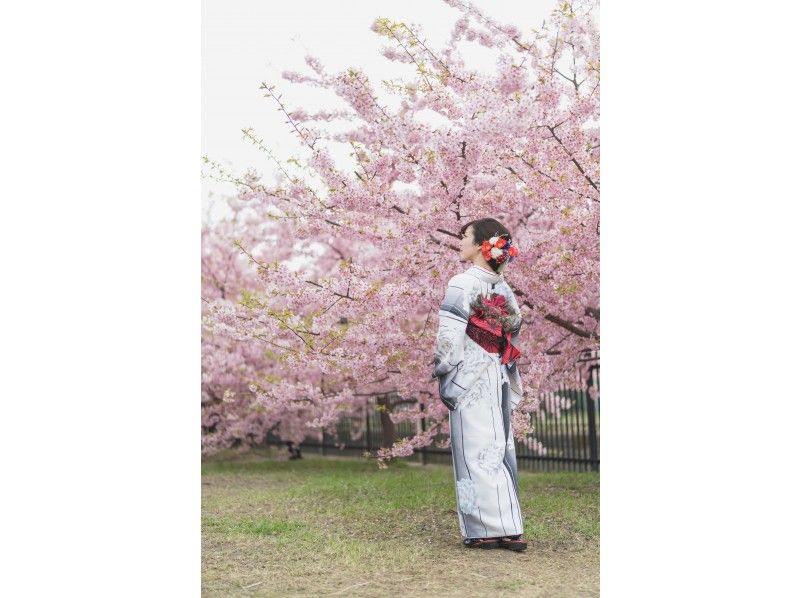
pixel 332 526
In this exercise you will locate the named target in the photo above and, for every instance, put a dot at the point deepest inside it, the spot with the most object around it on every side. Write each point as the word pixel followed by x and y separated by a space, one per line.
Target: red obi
pixel 489 334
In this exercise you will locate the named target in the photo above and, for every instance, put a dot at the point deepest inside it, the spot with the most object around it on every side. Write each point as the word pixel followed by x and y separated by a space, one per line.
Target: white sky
pixel 245 42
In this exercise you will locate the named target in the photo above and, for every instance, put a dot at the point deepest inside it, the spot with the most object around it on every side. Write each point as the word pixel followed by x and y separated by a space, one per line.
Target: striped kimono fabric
pixel 480 393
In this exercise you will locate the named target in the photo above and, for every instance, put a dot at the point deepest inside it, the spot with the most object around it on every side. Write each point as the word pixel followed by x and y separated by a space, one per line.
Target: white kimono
pixel 480 393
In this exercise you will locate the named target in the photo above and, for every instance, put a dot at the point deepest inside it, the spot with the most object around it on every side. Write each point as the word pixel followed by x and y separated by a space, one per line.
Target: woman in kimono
pixel 475 363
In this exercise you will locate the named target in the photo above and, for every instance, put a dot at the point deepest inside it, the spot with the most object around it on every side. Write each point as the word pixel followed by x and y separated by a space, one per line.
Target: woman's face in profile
pixel 468 247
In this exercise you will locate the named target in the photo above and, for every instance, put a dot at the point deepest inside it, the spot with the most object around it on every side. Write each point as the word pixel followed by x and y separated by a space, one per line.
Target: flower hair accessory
pixel 499 249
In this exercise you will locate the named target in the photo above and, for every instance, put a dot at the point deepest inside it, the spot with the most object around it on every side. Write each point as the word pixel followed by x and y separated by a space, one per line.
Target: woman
pixel 475 362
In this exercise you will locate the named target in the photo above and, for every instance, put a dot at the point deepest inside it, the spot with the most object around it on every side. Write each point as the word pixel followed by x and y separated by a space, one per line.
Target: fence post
pixel 593 448
pixel 369 434
pixel 424 448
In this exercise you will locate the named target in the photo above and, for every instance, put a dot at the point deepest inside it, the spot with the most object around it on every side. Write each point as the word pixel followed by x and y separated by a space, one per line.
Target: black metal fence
pixel 566 430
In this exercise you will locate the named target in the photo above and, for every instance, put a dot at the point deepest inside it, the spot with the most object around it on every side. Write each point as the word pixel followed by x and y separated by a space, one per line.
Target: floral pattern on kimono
pixel 474 395
pixel 466 496
pixel 491 457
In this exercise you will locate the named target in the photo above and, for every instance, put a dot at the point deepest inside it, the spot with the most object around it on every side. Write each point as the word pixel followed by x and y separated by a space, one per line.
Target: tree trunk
pixel 387 425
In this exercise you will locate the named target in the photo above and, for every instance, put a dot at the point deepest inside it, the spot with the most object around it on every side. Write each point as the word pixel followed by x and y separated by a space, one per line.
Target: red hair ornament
pixel 499 249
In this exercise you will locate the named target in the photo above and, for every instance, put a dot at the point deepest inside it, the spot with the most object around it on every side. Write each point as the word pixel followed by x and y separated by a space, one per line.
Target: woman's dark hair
pixel 483 230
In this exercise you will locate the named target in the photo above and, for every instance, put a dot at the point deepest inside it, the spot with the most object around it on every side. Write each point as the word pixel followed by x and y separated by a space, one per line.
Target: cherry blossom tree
pixel 301 348
pixel 234 358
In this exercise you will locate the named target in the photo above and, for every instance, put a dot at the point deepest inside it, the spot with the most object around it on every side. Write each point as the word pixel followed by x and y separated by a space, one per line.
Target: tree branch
pixel 574 161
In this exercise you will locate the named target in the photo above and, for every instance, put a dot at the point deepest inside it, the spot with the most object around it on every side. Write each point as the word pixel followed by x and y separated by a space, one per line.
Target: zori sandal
pixel 513 543
pixel 482 543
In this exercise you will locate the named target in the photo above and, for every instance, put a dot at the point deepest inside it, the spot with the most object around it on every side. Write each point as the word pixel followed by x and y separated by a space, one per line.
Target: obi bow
pixel 488 333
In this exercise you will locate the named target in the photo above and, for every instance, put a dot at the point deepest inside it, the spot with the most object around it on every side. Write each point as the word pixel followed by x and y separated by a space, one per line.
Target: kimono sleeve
pixel 515 380
pixel 450 338
pixel 518 324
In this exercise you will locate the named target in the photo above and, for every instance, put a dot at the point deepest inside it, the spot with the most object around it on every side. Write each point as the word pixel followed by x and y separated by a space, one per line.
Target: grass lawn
pixel 340 526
